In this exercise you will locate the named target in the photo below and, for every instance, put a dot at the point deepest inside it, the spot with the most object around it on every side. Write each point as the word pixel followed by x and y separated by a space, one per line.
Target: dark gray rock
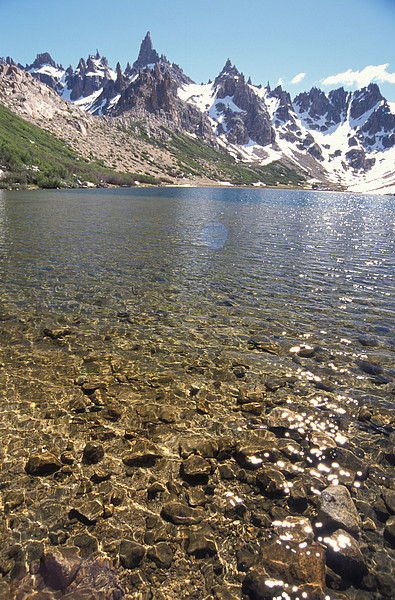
pixel 131 554
pixel 336 509
pixel 93 452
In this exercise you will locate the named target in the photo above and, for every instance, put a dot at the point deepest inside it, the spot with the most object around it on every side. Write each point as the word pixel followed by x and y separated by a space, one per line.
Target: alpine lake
pixel 197 393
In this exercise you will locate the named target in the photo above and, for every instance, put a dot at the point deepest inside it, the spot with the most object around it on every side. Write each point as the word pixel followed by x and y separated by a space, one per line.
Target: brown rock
pixel 181 514
pixel 344 555
pixel 42 463
pixel 285 566
pixel 142 454
pixel 195 468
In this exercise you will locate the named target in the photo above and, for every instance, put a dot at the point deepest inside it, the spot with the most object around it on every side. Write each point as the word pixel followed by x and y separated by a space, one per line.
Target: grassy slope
pixel 32 156
pixel 194 158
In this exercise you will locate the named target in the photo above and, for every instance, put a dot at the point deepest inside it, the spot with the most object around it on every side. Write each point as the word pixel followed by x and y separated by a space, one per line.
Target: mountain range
pixel 340 139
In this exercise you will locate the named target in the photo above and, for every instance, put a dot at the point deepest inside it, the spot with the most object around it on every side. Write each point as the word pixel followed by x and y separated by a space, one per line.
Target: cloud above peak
pixel 298 78
pixel 370 74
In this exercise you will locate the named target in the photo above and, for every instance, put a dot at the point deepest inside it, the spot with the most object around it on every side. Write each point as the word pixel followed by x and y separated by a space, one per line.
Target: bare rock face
pixel 147 54
pixel 365 100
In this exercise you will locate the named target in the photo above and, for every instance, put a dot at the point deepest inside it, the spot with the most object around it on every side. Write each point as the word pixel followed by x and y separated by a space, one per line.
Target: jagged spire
pixel 147 54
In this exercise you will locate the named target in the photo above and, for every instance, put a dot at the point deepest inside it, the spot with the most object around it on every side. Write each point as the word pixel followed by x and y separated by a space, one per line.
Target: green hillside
pixel 32 156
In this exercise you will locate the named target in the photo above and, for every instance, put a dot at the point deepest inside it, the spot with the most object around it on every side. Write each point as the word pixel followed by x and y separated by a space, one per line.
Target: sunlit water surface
pixel 205 268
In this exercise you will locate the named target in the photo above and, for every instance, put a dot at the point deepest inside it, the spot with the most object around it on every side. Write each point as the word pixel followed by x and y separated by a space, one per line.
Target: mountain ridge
pixel 341 138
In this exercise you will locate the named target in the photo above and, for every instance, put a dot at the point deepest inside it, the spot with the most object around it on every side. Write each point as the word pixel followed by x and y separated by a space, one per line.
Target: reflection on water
pixel 214 235
pixel 258 322
pixel 312 265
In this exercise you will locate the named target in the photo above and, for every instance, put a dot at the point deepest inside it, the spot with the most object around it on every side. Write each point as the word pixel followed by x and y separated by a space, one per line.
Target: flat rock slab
pixel 336 509
pixel 87 511
pixel 286 567
pixel 142 454
pixel 42 463
pixel 344 556
pixel 195 468
pixel 181 514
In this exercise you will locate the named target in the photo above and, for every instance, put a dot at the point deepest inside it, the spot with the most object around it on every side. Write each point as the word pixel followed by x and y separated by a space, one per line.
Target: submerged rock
pixel 42 463
pixel 181 514
pixel 344 555
pixel 337 509
pixel 286 567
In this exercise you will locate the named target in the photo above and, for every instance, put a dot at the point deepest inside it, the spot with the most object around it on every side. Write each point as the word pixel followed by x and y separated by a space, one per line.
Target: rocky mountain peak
pixel 42 59
pixel 82 66
pixel 91 64
pixel 128 70
pixel 228 71
pixel 7 61
pixel 147 54
pixel 365 99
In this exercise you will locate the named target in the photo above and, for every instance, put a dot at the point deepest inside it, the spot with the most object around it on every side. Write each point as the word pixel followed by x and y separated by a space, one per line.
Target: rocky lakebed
pixel 132 468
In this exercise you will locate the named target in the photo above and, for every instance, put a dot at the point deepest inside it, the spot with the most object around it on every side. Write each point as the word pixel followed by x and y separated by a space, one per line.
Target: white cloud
pixel 362 78
pixel 298 78
pixel 280 82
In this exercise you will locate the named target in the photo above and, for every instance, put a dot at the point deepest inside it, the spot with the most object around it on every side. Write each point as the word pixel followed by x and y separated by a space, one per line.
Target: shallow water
pixel 194 312
pixel 206 268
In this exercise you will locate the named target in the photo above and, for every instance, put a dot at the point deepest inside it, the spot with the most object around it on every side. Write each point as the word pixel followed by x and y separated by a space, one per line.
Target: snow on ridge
pixel 202 96
pixel 87 102
pixel 48 70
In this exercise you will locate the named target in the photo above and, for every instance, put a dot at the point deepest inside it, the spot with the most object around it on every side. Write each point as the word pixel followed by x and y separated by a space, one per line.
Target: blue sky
pixel 298 42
